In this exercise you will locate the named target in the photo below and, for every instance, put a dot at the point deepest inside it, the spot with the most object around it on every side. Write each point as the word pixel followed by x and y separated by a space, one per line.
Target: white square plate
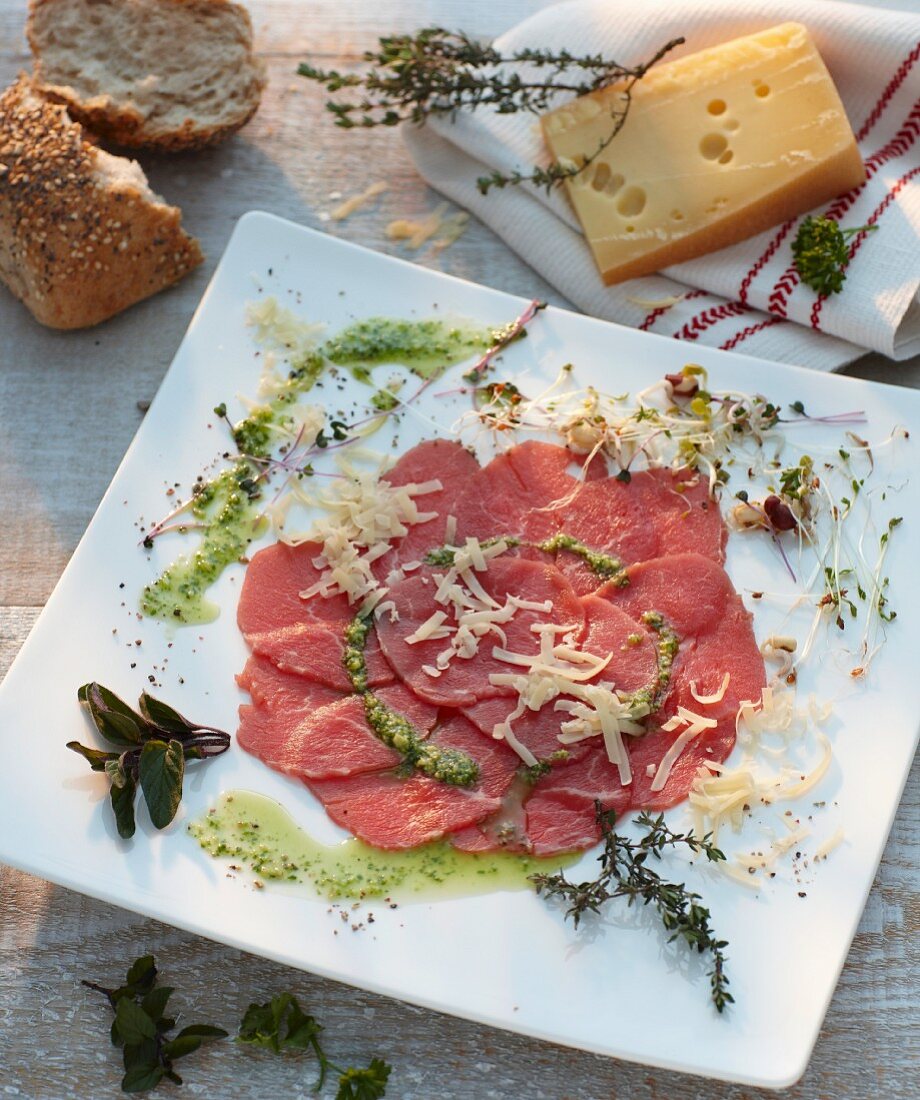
pixel 506 959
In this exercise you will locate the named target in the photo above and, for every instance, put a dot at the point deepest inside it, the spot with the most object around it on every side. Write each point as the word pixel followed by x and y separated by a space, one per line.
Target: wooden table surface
pixel 68 410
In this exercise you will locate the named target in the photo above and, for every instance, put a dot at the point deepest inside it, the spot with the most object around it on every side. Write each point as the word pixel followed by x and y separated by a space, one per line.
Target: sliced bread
pixel 82 235
pixel 162 74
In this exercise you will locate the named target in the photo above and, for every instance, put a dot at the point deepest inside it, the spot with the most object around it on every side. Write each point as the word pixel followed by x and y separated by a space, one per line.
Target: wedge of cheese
pixel 717 146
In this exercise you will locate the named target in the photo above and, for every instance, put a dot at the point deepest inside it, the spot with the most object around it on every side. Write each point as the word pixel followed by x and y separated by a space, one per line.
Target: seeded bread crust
pixel 148 74
pixel 82 236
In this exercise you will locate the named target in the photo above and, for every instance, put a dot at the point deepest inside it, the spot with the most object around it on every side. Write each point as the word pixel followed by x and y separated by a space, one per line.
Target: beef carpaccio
pixel 537 641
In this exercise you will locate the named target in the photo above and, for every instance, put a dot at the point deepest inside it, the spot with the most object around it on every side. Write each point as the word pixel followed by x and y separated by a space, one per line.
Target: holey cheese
pixel 717 146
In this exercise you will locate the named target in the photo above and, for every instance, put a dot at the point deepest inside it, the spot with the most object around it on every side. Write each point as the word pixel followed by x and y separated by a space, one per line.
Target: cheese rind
pixel 717 146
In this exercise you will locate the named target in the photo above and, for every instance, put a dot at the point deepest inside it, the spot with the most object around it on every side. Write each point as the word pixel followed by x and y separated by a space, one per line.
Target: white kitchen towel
pixel 747 297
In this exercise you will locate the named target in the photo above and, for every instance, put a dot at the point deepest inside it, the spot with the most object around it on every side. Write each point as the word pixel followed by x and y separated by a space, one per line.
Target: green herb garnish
pixel 601 565
pixel 153 748
pixel 281 1024
pixel 537 771
pixel 625 873
pixel 445 556
pixel 820 253
pixel 436 72
pixel 141 1028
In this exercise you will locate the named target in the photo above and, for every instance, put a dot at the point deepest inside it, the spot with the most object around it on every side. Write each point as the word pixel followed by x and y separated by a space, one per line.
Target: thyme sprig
pixel 820 253
pixel 437 72
pixel 625 873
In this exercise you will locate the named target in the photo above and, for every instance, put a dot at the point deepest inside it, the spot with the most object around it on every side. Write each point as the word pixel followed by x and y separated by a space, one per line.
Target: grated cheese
pixel 432 627
pixel 736 875
pixel 814 777
pixel 364 515
pixel 448 228
pixel 560 672
pixel 278 329
pixel 671 756
pixel 832 842
pixel 356 202
pixel 657 303
pixel 716 697
pixel 695 724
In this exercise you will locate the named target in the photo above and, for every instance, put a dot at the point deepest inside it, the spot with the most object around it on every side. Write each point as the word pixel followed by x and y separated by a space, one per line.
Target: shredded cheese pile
pixel 276 328
pixel 363 515
pixel 471 613
pixel 561 672
pixel 723 797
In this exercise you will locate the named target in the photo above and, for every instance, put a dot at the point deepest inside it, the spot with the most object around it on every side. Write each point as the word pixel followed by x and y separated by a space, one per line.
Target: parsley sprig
pixel 153 747
pixel 281 1024
pixel 437 72
pixel 625 873
pixel 820 253
pixel 141 1028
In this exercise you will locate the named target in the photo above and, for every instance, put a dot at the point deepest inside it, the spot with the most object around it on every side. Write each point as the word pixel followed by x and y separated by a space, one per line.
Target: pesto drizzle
pixel 226 509
pixel 425 347
pixel 447 765
pixel 648 699
pixel 601 565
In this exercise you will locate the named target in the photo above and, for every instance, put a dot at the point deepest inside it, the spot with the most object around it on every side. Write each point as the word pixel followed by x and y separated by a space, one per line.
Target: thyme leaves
pixel 439 73
pixel 626 873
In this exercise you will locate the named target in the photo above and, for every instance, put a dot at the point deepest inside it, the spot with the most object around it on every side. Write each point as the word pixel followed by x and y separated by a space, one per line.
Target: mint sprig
pixel 153 746
pixel 141 1028
pixel 281 1025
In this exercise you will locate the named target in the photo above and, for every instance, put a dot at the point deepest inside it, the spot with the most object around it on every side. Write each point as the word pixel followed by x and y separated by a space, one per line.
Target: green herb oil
pixel 256 832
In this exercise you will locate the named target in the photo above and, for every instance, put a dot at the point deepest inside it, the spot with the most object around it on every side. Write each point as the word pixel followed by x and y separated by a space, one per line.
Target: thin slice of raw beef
pixel 657 512
pixel 451 464
pixel 270 598
pixel 391 811
pixel 328 740
pixel 561 813
pixel 518 493
pixel 467 681
pixel 691 591
pixel 315 650
pixel 274 689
